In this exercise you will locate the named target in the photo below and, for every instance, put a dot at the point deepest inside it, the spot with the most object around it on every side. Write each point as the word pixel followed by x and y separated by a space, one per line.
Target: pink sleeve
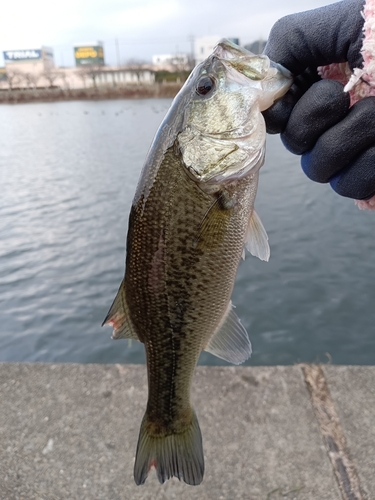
pixel 361 82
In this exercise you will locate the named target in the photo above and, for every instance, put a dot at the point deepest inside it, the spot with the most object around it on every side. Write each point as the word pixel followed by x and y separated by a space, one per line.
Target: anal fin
pixel 231 341
pixel 118 318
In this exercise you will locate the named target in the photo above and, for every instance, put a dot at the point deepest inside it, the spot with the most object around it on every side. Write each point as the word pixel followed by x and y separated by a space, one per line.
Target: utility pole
pixel 192 58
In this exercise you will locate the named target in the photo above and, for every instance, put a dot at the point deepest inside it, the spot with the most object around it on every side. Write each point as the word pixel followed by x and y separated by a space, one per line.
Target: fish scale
pixel 186 309
pixel 191 217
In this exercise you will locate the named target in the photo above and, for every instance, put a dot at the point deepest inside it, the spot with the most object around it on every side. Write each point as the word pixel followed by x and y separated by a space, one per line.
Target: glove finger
pixel 277 116
pixel 340 146
pixel 322 106
pixel 357 180
pixel 318 37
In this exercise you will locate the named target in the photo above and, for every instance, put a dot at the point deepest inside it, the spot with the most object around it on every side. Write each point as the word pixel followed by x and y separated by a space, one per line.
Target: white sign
pixel 22 55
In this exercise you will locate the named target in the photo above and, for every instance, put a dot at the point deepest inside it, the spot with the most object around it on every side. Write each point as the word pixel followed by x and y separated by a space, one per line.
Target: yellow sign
pixel 89 54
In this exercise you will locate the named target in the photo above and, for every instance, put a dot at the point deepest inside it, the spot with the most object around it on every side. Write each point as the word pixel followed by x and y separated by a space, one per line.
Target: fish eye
pixel 205 85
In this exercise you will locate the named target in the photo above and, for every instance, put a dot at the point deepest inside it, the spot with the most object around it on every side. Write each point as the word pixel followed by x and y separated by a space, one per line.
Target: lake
pixel 68 173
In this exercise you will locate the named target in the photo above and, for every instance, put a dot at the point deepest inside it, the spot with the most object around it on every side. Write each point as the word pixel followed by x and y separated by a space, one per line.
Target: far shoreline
pixel 131 91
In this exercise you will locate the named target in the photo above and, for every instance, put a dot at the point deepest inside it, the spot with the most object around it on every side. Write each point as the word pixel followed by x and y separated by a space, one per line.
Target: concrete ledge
pixel 69 431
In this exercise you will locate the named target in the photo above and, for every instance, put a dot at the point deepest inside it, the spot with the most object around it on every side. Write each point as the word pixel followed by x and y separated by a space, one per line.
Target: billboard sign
pixel 92 55
pixel 22 55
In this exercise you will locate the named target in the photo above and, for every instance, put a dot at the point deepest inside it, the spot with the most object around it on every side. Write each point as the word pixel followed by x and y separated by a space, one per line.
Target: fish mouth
pixel 272 77
pixel 225 49
pixel 284 72
pixel 250 65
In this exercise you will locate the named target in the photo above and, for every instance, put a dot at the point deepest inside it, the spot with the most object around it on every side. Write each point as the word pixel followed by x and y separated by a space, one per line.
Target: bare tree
pixel 82 74
pixel 90 72
pixel 14 78
pixel 31 79
pixel 64 80
pixel 51 75
pixel 137 66
pixel 179 64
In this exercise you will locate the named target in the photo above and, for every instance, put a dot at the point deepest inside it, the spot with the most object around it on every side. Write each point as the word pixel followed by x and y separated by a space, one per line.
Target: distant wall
pixel 92 93
pixel 36 76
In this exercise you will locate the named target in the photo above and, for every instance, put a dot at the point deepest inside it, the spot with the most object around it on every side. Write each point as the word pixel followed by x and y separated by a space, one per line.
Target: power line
pixel 119 40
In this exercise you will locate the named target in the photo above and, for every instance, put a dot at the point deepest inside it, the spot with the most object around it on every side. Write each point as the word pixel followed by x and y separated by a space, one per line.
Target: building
pixel 171 62
pixel 35 68
pixel 27 65
pixel 108 76
pixel 256 47
pixel 203 47
pixel 89 54
pixel 29 60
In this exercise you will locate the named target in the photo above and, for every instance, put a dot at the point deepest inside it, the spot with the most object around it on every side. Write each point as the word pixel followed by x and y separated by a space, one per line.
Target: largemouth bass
pixel 192 215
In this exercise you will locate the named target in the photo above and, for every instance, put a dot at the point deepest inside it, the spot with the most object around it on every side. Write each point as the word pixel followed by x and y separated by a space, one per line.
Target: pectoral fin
pixel 118 318
pixel 214 225
pixel 256 238
pixel 231 341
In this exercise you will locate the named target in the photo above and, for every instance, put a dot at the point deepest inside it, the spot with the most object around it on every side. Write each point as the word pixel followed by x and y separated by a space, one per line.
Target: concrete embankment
pixel 94 93
pixel 69 431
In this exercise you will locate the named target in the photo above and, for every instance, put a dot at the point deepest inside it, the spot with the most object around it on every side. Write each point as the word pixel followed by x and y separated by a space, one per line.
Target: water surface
pixel 68 172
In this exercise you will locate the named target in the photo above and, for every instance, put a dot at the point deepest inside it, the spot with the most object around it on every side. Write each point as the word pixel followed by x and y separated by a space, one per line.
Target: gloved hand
pixel 337 143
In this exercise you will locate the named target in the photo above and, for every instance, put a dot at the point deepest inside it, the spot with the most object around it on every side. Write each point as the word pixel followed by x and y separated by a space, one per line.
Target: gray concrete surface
pixel 353 390
pixel 69 431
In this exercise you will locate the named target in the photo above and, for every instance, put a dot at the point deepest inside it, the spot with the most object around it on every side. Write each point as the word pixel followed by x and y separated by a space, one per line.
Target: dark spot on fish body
pixel 225 200
pixel 163 424
pixel 158 424
pixel 176 149
pixel 200 286
pixel 181 248
pixel 205 281
pixel 166 400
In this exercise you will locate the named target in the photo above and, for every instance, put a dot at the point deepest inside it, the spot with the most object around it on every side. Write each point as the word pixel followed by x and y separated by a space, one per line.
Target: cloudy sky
pixel 142 27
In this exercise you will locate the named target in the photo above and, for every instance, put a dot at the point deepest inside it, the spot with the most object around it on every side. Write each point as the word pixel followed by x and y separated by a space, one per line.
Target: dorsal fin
pixel 119 319
pixel 231 341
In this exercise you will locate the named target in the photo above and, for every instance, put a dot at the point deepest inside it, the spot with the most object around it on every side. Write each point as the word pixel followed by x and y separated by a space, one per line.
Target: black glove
pixel 337 143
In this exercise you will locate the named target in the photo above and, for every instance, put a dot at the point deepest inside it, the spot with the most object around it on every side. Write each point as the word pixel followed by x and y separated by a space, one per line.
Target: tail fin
pixel 179 455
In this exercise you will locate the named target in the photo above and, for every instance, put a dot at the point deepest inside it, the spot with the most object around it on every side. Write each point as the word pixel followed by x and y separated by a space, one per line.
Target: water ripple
pixel 67 180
